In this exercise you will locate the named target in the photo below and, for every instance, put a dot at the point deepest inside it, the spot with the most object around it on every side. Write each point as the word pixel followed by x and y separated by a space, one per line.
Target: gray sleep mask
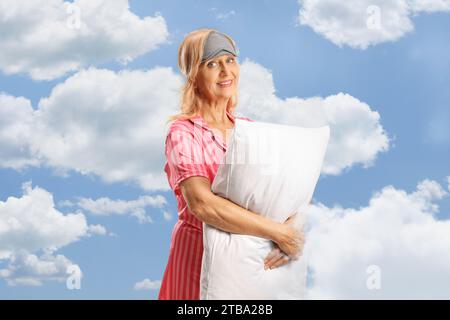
pixel 217 44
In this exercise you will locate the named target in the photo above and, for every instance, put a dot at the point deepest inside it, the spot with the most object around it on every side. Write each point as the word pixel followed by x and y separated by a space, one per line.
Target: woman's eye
pixel 212 63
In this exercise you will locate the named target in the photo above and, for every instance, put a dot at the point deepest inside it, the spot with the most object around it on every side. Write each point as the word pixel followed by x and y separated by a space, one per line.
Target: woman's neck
pixel 215 113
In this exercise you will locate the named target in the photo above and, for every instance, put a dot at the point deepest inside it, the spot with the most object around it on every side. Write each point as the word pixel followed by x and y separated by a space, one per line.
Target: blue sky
pixel 404 79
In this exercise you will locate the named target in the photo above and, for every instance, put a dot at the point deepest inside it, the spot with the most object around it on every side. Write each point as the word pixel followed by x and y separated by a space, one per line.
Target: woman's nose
pixel 224 68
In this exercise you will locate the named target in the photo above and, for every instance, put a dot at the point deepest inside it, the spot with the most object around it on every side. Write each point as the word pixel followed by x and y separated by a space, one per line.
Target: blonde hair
pixel 190 54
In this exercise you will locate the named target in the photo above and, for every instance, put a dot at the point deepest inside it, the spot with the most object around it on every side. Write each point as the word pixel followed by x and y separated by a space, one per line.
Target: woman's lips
pixel 225 84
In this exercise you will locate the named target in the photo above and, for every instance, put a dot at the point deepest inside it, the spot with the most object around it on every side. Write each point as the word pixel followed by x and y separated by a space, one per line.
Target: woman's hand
pixel 289 245
pixel 276 258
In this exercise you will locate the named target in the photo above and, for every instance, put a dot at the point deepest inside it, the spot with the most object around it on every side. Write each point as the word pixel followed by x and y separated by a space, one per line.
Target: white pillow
pixel 272 170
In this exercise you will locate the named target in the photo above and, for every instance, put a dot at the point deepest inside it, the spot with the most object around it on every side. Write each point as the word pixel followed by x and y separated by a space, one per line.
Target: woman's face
pixel 213 72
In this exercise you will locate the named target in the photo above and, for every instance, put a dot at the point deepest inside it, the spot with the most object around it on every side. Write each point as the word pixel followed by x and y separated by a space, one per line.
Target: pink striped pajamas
pixel 191 149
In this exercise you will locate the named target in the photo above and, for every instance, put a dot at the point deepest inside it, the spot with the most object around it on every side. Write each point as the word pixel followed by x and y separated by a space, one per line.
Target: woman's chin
pixel 225 94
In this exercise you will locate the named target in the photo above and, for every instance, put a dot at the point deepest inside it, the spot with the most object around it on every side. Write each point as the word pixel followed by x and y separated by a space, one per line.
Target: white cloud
pixel 16 129
pixel 429 5
pixel 30 270
pixel 356 133
pixel 167 216
pixel 399 232
pixel 65 203
pixel 147 284
pixel 97 229
pixel 136 208
pixel 31 224
pixel 110 124
pixel 361 23
pixel 47 39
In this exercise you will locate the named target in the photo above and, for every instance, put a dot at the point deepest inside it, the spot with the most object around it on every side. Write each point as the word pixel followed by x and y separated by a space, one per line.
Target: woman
pixel 195 146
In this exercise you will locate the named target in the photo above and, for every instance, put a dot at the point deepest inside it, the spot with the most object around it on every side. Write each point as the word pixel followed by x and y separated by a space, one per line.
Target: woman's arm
pixel 228 216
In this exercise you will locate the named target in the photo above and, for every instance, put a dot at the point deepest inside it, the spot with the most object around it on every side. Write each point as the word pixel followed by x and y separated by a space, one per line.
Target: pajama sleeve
pixel 185 157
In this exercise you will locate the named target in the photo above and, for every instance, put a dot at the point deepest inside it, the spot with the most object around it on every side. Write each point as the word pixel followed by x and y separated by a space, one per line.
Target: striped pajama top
pixel 192 149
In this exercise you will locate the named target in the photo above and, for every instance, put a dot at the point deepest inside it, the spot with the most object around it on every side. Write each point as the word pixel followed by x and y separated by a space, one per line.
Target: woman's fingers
pixel 284 252
pixel 274 252
pixel 276 258
pixel 282 260
pixel 272 261
pixel 272 257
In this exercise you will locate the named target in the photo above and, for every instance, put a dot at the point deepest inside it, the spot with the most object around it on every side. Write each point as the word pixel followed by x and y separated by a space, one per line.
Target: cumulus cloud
pixel 136 208
pixel 47 39
pixel 400 235
pixel 30 270
pixel 147 284
pixel 31 224
pixel 16 130
pixel 362 23
pixel 356 132
pixel 112 124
